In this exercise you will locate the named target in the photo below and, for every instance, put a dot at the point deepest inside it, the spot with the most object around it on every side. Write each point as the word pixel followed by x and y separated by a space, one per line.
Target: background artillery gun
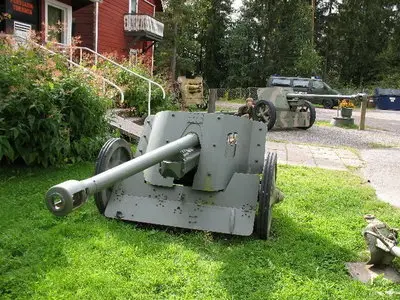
pixel 283 108
pixel 191 170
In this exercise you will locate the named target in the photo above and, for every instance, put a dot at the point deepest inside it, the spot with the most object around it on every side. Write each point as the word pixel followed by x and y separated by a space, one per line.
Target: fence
pixel 234 94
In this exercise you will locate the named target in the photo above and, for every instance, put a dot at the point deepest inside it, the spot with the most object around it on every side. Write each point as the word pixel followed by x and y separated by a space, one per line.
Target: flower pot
pixel 346 112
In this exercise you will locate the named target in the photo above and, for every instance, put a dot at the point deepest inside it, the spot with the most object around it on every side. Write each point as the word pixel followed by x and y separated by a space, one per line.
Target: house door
pixel 58 22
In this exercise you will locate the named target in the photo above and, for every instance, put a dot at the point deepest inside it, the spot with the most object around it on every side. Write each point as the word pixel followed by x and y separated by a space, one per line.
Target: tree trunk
pixel 174 51
pixel 212 98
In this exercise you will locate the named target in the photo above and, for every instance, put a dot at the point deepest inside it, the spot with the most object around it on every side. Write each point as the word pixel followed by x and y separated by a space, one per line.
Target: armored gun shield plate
pixel 266 196
pixel 113 153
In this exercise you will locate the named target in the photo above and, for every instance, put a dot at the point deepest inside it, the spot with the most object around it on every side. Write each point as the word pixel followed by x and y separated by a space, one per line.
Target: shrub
pixel 49 114
pixel 136 89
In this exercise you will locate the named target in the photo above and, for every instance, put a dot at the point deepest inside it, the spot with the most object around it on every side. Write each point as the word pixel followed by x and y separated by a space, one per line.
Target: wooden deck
pixel 126 126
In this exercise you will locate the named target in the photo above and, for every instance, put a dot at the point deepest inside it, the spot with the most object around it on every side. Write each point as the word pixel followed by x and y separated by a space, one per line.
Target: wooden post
pixel 212 98
pixel 364 105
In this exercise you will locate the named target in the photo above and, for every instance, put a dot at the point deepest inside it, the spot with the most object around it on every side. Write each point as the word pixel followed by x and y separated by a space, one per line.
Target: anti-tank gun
pixel 191 170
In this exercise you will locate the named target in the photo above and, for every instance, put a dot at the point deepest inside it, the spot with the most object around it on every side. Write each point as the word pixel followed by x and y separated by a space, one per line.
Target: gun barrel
pixel 312 96
pixel 67 196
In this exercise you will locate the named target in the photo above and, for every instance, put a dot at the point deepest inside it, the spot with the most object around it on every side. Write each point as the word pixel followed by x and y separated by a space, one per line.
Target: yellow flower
pixel 346 104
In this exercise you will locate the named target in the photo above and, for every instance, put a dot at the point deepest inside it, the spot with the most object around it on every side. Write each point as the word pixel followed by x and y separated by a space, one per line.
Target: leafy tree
pixel 218 16
pixel 274 37
pixel 181 50
pixel 346 41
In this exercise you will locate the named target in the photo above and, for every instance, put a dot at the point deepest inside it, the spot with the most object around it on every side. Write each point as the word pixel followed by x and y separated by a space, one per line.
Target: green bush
pixel 136 89
pixel 49 114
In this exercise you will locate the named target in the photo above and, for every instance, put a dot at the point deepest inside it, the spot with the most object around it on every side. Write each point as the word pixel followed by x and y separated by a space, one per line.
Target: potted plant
pixel 346 108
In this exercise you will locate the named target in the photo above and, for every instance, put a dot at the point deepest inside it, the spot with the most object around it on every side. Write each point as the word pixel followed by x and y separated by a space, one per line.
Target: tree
pixel 346 41
pixel 218 16
pixel 180 52
pixel 355 38
pixel 271 37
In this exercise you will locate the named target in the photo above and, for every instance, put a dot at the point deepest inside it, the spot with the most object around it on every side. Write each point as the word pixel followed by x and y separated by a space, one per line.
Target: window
pixel 318 85
pixel 58 21
pixel 132 6
pixel 281 82
pixel 300 83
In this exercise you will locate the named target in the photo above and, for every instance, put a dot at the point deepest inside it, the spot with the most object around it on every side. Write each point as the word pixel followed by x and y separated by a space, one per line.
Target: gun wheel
pixel 114 152
pixel 265 197
pixel 328 103
pixel 265 111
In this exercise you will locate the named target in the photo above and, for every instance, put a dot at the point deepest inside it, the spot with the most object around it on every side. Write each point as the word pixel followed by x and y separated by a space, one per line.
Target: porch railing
pixel 73 49
pixel 86 70
pixel 138 22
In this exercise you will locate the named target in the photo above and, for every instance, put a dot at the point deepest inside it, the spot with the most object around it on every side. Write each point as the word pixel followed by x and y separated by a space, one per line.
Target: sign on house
pixel 25 11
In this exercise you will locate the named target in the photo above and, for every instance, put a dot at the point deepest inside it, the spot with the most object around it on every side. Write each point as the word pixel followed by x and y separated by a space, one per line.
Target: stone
pixel 367 273
pixel 339 121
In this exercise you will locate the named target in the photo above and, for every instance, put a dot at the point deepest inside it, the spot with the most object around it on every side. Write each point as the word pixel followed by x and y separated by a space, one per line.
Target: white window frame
pixel 130 6
pixel 154 7
pixel 67 10
pixel 137 6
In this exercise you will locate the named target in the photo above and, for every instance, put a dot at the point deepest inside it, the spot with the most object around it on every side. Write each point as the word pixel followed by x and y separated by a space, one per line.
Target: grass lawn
pixel 86 256
pixel 328 124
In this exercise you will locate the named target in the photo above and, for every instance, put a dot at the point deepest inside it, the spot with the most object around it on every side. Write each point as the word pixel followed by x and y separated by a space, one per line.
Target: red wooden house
pixel 124 27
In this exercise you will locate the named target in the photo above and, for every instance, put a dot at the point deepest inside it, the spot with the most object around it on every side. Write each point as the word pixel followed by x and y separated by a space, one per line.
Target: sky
pixel 237 3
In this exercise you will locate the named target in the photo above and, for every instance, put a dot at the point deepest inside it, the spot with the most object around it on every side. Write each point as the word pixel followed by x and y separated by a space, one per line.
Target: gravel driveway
pixel 378 119
pixel 383 130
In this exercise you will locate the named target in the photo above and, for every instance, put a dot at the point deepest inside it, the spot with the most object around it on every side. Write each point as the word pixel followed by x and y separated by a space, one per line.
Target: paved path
pixel 382 169
pixel 313 156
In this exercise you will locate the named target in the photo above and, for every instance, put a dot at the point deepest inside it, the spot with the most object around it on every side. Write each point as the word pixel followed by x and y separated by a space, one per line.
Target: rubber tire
pixel 264 215
pixel 272 109
pixel 328 103
pixel 101 198
pixel 313 114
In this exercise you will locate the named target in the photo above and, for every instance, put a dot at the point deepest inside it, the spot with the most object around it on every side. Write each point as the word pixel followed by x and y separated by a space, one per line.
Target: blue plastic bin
pixel 387 99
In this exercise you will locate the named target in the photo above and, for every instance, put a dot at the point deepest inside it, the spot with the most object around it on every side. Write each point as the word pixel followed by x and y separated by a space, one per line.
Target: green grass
pixel 354 126
pixel 316 230
pixel 328 124
pixel 348 126
pixel 318 105
pixel 219 108
pixel 323 123
pixel 381 146
pixel 234 100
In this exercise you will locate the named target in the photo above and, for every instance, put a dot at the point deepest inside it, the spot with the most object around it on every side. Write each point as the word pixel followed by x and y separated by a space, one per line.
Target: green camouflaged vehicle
pixel 306 86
